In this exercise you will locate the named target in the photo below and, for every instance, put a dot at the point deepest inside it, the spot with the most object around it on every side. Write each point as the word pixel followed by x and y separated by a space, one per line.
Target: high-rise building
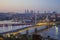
pixel 27 11
pixel 38 12
pixel 31 11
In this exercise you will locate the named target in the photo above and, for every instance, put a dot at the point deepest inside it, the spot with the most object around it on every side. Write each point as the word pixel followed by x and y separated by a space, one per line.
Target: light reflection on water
pixel 53 32
pixel 56 28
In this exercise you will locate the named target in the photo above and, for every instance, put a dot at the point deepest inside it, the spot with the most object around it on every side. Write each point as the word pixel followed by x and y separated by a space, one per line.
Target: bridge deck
pixel 28 28
pixel 9 22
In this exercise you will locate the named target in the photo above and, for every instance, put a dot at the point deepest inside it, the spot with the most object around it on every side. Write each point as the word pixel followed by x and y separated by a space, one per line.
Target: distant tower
pixel 27 11
pixel 31 11
pixel 45 12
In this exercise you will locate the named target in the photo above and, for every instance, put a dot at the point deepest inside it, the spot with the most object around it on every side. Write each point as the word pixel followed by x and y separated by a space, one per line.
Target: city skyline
pixel 21 5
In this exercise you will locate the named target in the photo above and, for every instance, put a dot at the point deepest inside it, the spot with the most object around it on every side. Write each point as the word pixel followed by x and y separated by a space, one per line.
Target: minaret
pixel 47 18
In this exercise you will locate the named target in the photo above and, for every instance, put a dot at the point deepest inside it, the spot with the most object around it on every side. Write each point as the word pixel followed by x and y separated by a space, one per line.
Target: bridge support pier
pixel 27 33
pixel 35 30
pixel 3 27
pixel 48 26
pixel 9 27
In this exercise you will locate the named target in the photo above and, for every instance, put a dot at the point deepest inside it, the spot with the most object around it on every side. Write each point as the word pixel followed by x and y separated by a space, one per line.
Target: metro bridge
pixel 39 24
